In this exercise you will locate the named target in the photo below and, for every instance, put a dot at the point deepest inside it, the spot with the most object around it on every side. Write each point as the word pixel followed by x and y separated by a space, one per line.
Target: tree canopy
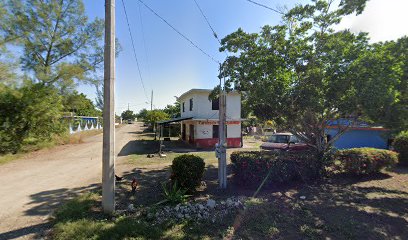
pixel 128 115
pixel 60 44
pixel 301 73
pixel 80 105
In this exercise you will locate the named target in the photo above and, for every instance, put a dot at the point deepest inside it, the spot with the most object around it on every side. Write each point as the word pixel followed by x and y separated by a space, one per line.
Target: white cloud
pixel 382 19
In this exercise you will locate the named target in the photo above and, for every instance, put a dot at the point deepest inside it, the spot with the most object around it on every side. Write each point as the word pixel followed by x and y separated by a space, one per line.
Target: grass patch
pixel 9 157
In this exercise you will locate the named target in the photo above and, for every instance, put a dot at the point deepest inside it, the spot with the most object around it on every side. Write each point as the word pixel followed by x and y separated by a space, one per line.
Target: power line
pixel 264 6
pixel 144 40
pixel 181 34
pixel 208 22
pixel 134 49
pixel 209 25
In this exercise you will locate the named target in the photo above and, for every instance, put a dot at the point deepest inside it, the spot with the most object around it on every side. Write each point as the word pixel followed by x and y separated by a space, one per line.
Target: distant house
pixel 199 118
pixel 358 134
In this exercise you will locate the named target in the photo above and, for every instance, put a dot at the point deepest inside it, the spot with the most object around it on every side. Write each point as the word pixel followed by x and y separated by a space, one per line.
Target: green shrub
pixel 29 115
pixel 173 194
pixel 251 167
pixel 401 146
pixel 187 170
pixel 359 161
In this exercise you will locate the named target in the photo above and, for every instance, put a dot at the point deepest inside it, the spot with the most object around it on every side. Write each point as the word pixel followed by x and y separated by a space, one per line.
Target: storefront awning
pixel 174 120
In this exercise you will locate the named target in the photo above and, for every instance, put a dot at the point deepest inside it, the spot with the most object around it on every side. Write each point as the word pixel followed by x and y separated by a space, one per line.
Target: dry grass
pixel 79 137
pixel 76 138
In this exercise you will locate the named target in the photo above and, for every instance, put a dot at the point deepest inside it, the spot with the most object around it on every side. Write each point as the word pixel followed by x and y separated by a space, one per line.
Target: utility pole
pixel 222 144
pixel 128 106
pixel 108 152
pixel 151 102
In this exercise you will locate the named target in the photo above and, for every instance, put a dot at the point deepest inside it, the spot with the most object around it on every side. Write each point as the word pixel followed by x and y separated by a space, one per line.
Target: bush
pixel 173 194
pixel 187 170
pixel 252 167
pixel 29 115
pixel 359 161
pixel 401 146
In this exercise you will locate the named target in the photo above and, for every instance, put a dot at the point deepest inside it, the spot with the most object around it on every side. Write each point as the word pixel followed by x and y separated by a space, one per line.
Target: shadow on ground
pixel 43 204
pixel 343 208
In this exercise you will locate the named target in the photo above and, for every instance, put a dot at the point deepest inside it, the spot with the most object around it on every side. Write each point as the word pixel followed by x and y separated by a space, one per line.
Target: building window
pixel 191 104
pixel 184 109
pixel 216 104
pixel 215 131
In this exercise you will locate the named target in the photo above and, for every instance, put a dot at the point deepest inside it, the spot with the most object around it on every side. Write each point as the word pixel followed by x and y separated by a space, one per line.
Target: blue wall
pixel 360 138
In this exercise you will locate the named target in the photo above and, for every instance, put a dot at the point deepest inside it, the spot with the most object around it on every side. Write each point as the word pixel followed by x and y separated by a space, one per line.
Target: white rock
pixel 302 197
pixel 210 203
pixel 131 208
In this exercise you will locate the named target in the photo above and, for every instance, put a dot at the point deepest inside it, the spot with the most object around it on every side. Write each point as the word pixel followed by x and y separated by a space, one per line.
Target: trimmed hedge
pixel 187 170
pixel 251 167
pixel 400 145
pixel 360 161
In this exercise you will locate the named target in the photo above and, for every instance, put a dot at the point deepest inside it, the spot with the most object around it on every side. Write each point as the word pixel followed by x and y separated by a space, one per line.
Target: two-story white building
pixel 199 126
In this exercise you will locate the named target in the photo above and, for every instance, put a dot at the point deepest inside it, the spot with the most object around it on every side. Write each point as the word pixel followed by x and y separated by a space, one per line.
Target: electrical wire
pixel 134 49
pixel 209 25
pixel 178 32
pixel 208 22
pixel 264 6
pixel 144 40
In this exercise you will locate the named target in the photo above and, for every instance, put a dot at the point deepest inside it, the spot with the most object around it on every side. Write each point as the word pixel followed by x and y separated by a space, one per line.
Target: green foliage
pixel 187 169
pixel 360 161
pixel 61 46
pixel 173 110
pixel 128 115
pixel 251 167
pixel 401 146
pixel 155 116
pixel 29 115
pixel 173 194
pixel 302 73
pixel 142 114
pixel 79 104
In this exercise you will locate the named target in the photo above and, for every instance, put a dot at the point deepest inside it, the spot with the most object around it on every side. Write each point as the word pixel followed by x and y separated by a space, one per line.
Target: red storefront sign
pixel 216 122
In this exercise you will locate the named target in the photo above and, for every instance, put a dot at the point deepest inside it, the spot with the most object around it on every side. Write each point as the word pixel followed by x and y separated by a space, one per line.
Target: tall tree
pixel 302 73
pixel 61 46
pixel 173 110
pixel 80 105
pixel 128 115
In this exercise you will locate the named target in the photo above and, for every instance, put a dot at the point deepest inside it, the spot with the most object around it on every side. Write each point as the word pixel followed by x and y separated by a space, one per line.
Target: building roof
pixel 174 120
pixel 201 90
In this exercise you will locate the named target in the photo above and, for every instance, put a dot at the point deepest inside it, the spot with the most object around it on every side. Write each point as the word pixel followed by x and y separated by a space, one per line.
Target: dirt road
pixel 31 188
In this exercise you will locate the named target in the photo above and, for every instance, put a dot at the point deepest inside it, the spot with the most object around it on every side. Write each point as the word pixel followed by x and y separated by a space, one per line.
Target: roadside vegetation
pixel 307 74
pixel 340 207
pixel 61 48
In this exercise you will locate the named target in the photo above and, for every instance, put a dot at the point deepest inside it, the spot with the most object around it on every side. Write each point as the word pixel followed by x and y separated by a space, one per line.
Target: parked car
pixel 268 132
pixel 284 142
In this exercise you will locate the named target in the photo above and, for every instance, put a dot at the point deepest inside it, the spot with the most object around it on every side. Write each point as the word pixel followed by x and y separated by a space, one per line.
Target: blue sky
pixel 171 66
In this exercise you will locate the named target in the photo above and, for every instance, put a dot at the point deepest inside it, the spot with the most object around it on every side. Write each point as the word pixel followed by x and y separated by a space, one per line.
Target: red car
pixel 284 142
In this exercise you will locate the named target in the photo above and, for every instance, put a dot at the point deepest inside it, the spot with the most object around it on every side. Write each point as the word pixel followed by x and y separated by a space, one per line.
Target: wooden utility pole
pixel 222 144
pixel 108 152
pixel 151 102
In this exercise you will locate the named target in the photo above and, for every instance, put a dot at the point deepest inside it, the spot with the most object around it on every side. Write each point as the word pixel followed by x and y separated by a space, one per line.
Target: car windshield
pixel 279 139
pixel 294 139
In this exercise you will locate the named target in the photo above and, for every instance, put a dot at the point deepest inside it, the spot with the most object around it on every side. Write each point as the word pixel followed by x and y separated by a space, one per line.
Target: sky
pixel 169 64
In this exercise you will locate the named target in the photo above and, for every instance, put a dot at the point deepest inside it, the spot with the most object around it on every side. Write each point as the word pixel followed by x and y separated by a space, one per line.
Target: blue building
pixel 357 137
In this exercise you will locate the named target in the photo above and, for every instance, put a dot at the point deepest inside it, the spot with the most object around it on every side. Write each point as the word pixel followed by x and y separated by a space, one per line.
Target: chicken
pixel 134 185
